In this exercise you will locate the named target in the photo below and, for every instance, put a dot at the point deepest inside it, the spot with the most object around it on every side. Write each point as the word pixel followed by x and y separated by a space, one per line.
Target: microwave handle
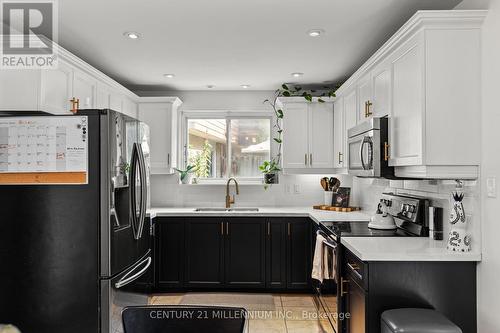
pixel 361 153
pixel 366 140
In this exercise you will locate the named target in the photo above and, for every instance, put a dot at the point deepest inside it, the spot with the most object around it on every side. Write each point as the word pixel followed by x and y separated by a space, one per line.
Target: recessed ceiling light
pixel 132 35
pixel 169 76
pixel 210 86
pixel 245 86
pixel 315 32
pixel 297 74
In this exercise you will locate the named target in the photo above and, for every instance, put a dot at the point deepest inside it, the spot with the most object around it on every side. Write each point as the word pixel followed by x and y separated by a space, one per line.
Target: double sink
pixel 243 209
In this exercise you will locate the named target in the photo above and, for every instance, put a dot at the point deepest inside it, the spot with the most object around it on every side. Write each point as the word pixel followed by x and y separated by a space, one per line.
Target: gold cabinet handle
pixel 367 108
pixel 227 228
pixel 288 229
pixel 310 159
pixel 269 228
pixel 222 228
pixel 75 104
pixel 305 159
pixel 340 158
pixel 386 151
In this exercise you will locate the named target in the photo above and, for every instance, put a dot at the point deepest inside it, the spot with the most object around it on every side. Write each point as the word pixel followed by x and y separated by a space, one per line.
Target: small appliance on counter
pixel 382 220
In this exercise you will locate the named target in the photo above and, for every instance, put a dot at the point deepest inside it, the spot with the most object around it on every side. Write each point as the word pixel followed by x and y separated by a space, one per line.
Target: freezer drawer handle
pixel 127 278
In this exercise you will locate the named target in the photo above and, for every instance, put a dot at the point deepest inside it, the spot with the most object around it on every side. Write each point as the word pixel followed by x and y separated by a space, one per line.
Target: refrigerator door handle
pixel 142 167
pixel 130 276
pixel 134 163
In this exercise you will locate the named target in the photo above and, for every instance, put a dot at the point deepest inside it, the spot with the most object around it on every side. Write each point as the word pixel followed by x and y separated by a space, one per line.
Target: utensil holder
pixel 328 198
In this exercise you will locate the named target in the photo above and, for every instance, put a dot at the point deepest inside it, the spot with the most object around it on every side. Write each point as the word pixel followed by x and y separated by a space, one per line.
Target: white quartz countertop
pixel 404 249
pixel 314 214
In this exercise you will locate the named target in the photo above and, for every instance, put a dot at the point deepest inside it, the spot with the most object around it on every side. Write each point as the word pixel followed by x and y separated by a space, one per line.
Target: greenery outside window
pixel 223 145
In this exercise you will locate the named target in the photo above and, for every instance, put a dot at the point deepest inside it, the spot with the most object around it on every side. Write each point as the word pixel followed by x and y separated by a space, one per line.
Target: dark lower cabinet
pixel 169 252
pixel 276 254
pixel 204 261
pixel 370 288
pixel 299 254
pixel 232 253
pixel 244 253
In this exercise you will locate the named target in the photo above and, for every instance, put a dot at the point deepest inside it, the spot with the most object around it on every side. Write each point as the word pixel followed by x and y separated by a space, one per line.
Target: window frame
pixel 227 115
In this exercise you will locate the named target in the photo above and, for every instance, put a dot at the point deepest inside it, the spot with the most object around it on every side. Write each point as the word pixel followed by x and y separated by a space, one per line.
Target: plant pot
pixel 271 178
pixel 187 179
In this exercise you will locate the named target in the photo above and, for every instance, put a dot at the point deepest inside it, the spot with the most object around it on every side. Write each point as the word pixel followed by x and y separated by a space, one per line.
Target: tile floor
pixel 269 313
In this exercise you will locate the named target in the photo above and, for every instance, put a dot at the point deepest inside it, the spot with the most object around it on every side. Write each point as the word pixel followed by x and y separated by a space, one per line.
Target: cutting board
pixel 336 209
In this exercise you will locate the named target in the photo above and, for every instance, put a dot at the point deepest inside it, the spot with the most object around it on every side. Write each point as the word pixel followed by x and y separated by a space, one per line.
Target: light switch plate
pixel 491 187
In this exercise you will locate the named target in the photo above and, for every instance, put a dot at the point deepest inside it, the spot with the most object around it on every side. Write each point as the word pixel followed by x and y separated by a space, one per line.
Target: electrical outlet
pixel 491 187
pixel 296 188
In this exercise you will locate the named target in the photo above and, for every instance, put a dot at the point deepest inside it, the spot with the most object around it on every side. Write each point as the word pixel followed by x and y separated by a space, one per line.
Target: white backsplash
pixel 365 193
pixel 165 191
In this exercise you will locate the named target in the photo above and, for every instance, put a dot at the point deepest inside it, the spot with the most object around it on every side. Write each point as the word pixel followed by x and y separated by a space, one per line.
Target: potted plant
pixel 185 175
pixel 271 168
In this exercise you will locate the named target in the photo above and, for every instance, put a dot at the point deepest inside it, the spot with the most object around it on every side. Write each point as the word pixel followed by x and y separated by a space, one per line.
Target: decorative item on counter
pixel 436 223
pixel 458 239
pixel 328 197
pixel 185 175
pixel 341 197
pixel 333 184
pixel 324 183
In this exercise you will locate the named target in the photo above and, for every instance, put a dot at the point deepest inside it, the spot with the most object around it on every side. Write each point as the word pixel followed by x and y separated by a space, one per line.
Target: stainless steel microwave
pixel 368 149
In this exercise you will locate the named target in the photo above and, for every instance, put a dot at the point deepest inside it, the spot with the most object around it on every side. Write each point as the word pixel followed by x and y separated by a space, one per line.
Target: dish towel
pixel 317 269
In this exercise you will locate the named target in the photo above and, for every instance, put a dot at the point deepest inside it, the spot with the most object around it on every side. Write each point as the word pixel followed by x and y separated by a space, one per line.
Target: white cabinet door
pixel 321 135
pixel 159 117
pixel 103 96
pixel 406 122
pixel 19 90
pixel 350 119
pixel 365 99
pixel 115 102
pixel 381 90
pixel 129 107
pixel 295 136
pixel 84 88
pixel 338 133
pixel 56 89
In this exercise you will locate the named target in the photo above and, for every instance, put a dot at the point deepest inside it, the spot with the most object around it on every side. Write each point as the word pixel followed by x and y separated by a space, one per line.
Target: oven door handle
pixel 327 243
pixel 354 270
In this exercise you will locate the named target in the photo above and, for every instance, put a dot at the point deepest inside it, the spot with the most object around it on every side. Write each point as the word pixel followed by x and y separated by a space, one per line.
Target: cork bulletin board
pixel 43 150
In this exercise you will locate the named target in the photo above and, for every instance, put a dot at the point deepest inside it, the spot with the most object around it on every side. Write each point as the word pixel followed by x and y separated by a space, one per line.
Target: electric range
pixel 411 218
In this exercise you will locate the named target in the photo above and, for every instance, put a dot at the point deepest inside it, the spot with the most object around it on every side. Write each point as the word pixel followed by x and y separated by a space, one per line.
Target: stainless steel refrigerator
pixel 70 255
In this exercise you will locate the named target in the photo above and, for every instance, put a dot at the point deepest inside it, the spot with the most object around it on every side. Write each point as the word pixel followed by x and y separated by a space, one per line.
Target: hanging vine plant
pixel 271 168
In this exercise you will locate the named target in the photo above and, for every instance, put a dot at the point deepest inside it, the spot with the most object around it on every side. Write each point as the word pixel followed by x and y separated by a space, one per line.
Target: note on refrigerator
pixel 43 149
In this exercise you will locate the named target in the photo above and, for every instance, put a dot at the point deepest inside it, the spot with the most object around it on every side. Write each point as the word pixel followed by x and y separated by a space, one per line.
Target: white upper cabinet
pixel 295 136
pixel 307 135
pixel 84 89
pixel 426 79
pixel 382 81
pixel 51 90
pixel 406 126
pixel 365 97
pixel 321 135
pixel 339 134
pixel 56 89
pixel 161 114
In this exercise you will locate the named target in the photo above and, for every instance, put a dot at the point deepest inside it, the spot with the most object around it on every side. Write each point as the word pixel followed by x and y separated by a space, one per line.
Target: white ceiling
pixel 230 42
